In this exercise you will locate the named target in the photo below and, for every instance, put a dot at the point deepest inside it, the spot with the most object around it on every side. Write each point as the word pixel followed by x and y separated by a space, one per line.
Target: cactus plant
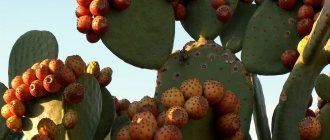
pixel 4 130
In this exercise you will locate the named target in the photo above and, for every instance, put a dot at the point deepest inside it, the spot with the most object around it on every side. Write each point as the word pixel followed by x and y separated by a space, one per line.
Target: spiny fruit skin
pixel 76 64
pixel 314 3
pixel 40 137
pixel 123 104
pixel 168 132
pixel 309 128
pixel 23 93
pixel 65 76
pixel 92 37
pixel 180 12
pixel 42 71
pixel 93 68
pixel 213 91
pixel 121 4
pixel 305 26
pixel 287 4
pixel 37 89
pixel 35 66
pixel 172 97
pixel 177 116
pixel 115 100
pixel 289 58
pixel 17 81
pixel 190 88
pixel 9 95
pixel 45 62
pixel 84 2
pixel 239 135
pixel 54 64
pixel 143 126
pixel 99 7
pixel 146 100
pixel 196 107
pixel 305 11
pixel 84 24
pixel 70 119
pixel 146 115
pixel 123 133
pixel 227 104
pixel 105 76
pixel 74 93
pixel 29 76
pixel 100 25
pixel 228 124
pixel 81 11
pixel 149 108
pixel 47 127
pixel 161 119
pixel 5 111
pixel 14 123
pixel 17 108
pixel 51 85
pixel 224 13
pixel 133 108
pixel 217 3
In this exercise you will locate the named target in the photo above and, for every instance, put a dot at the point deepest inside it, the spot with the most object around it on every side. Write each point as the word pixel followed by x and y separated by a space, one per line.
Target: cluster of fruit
pixel 91 16
pixel 179 9
pixel 224 12
pixel 192 101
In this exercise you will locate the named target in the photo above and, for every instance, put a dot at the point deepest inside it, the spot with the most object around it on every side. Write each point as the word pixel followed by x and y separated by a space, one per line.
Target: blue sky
pixel 58 17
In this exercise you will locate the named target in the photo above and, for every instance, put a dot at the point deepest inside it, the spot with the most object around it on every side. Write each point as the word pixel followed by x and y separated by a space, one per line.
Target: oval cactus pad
pixel 142 34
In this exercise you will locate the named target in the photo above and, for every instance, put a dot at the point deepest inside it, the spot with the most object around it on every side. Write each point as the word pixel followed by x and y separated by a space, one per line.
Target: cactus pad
pixel 4 130
pixel 143 34
pixel 322 86
pixel 324 120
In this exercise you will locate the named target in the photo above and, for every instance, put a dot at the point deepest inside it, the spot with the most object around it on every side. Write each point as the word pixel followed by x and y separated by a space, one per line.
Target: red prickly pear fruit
pixel 14 123
pixel 309 128
pixel 76 64
pixel 321 4
pixel 150 108
pixel 17 81
pixel 123 133
pixel 47 127
pixel 287 4
pixel 310 113
pixel 37 89
pixel 45 62
pixel 84 24
pixel 42 71
pixel 70 119
pixel 9 95
pixel 121 4
pixel 124 104
pixel 65 76
pixel 305 26
pixel 133 108
pixel 145 115
pixel 289 58
pixel 105 76
pixel 81 11
pixel 40 137
pixel 29 76
pixel 35 66
pixel 177 116
pixel 168 132
pixel 172 97
pixel 54 64
pixel 84 3
pixel 17 108
pixel 161 119
pixel 23 93
pixel 180 12
pixel 196 107
pixel 314 3
pixel 74 93
pixel 115 100
pixel 239 135
pixel 227 103
pixel 99 7
pixel 310 102
pixel 305 11
pixel 213 91
pixel 5 111
pixel 191 87
pixel 217 3
pixel 316 16
pixel 92 37
pixel 143 126
pixel 146 100
pixel 224 13
pixel 51 85
pixel 228 124
pixel 100 25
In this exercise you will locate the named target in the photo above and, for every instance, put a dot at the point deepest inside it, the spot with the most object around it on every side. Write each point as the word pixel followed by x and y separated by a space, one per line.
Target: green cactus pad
pixel 31 47
pixel 270 32
pixel 4 130
pixel 119 123
pixel 209 62
pixel 142 34
pixel 232 36
pixel 107 116
pixel 324 120
pixel 201 19
pixel 322 86
pixel 259 111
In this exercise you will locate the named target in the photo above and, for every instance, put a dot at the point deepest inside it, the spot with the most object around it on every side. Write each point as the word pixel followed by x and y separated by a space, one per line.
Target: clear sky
pixel 58 17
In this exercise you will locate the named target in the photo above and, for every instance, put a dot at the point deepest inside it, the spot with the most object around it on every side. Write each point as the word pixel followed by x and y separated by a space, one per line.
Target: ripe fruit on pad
pixel 168 132
pixel 172 97
pixel 100 25
pixel 239 135
pixel 314 3
pixel 105 76
pixel 14 123
pixel 191 87
pixel 228 124
pixel 84 2
pixel 47 127
pixel 305 26
pixel 76 64
pixel 74 93
pixel 9 95
pixel 23 93
pixel 54 64
pixel 94 68
pixel 84 24
pixel 45 62
pixel 17 108
pixel 5 111
pixel 310 113
pixel 123 133
pixel 227 104
pixel 287 4
pixel 121 4
pixel 289 58
pixel 224 13
pixel 180 11
pixel 35 66
pixel 40 137
pixel 17 81
pixel 65 76
pixel 196 107
pixel 42 71
pixel 29 76
pixel 145 115
pixel 99 7
pixel 123 104
pixel 149 108
pixel 81 11
pixel 37 89
pixel 133 108
pixel 177 116
pixel 305 11
pixel 70 119
pixel 309 128
pixel 217 3
pixel 213 91
pixel 146 100
pixel 51 85
pixel 92 37
pixel 161 119
pixel 143 126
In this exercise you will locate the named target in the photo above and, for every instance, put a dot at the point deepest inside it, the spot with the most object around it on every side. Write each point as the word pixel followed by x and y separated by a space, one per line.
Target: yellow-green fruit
pixel 76 64
pixel 70 119
pixel 168 132
pixel 191 87
pixel 47 127
pixel 213 91
pixel 133 108
pixel 14 123
pixel 303 42
pixel 172 97
pixel 123 133
pixel 310 128
pixel 146 100
pixel 105 76
pixel 93 68
pixel 177 116
pixel 143 126
pixel 196 107
pixel 5 111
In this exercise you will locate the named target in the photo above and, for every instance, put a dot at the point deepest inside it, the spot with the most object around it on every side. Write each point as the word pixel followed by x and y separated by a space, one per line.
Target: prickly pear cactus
pixel 324 119
pixel 119 123
pixel 4 130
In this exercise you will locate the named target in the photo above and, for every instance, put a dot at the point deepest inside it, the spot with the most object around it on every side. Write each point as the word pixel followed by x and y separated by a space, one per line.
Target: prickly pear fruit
pixel 100 25
pixel 304 26
pixel 213 91
pixel 81 11
pixel 74 93
pixel 121 4
pixel 224 13
pixel 289 58
pixel 237 136
pixel 105 76
pixel 143 126
pixel 76 64
pixel 51 85
pixel 228 124
pixel 314 3
pixel 92 37
pixel 168 132
pixel 45 62
pixel 305 11
pixel 180 12
pixel 161 119
pixel 177 116
pixel 149 108
pixel 47 127
pixel 146 100
pixel 310 102
pixel 227 104
pixel 23 93
pixel 70 119
pixel 37 89
pixel 14 123
pixel 42 71
pixel 196 107
pixel 54 64
pixel 309 128
pixel 93 68
pixel 191 87
pixel 310 113
pixel 65 76
pixel 123 104
pixel 40 137
pixel 217 3
pixel 99 7
pixel 123 133
pixel 9 95
pixel 35 66
pixel 5 111
pixel 172 97
pixel 84 24
pixel 84 3
pixel 133 108
pixel 145 115
pixel 287 4
pixel 17 81
pixel 17 108
pixel 29 76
